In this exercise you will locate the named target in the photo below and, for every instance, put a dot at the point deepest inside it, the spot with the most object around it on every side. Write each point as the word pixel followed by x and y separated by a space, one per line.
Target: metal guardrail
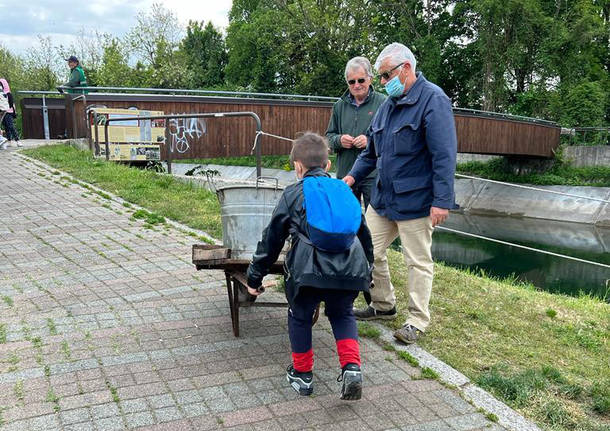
pixel 182 91
pixel 500 115
pixel 596 135
pixel 255 148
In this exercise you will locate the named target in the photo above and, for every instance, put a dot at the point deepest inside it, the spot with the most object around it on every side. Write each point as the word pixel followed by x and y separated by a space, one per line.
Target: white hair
pixel 359 62
pixel 398 53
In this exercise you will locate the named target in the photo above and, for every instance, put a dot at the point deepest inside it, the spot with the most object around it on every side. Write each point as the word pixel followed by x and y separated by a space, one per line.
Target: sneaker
pixel 408 334
pixel 300 382
pixel 19 144
pixel 351 376
pixel 370 313
pixel 3 143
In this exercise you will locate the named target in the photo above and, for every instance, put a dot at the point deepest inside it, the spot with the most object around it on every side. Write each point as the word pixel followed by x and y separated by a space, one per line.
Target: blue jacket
pixel 413 145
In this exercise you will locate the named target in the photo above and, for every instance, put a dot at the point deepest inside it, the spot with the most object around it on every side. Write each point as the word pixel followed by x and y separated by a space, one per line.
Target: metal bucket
pixel 245 211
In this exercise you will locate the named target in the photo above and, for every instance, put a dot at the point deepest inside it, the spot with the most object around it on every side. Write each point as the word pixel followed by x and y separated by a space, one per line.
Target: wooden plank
pixel 203 253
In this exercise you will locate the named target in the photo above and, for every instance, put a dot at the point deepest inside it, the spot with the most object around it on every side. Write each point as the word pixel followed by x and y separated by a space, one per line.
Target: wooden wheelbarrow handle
pixel 244 281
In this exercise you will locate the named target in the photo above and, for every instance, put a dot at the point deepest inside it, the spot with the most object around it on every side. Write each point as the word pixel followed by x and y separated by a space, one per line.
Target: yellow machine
pixel 129 141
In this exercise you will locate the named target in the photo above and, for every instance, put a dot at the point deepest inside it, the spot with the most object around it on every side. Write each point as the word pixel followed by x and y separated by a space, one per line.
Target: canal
pixel 550 273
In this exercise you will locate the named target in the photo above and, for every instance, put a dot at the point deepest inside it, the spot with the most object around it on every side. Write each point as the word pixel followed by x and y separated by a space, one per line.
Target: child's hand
pixel 255 292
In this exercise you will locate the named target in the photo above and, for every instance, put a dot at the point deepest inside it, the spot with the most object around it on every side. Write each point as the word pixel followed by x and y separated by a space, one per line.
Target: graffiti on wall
pixel 182 132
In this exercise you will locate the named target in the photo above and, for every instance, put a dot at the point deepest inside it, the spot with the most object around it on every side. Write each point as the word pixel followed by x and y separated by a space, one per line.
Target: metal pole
pixel 97 135
pixel 168 147
pixel 257 151
pixel 106 138
pixel 45 118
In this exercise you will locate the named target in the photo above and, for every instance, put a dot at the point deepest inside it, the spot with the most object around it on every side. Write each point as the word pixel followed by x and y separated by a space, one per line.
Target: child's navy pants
pixel 339 309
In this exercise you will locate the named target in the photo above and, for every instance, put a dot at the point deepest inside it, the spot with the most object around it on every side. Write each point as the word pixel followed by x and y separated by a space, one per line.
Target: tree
pixel 114 70
pixel 205 55
pixel 160 27
pixel 42 66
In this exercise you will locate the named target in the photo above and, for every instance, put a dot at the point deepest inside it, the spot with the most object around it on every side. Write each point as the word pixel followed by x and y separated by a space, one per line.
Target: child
pixel 313 274
pixel 11 114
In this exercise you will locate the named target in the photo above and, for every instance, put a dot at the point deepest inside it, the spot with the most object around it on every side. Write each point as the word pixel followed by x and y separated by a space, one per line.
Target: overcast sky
pixel 61 19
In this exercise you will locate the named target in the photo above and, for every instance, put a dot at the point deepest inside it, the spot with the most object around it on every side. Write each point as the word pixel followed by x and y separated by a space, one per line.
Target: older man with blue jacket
pixel 413 146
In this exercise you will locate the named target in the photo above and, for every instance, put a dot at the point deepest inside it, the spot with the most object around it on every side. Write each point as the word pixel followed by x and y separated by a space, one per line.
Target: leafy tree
pixel 158 28
pixel 205 55
pixel 114 70
pixel 42 66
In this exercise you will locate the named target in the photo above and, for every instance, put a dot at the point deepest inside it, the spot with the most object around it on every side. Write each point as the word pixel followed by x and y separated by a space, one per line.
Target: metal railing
pixel 587 135
pixel 480 113
pixel 255 148
pixel 182 91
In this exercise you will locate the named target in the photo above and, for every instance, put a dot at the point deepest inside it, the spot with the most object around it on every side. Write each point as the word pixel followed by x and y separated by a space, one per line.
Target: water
pixel 550 273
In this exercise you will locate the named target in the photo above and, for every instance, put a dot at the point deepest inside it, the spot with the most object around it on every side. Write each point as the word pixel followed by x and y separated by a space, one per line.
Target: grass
pixel 545 355
pixel 160 194
pixel 367 330
pixel 496 169
pixel 559 174
pixel 8 300
pixel 271 162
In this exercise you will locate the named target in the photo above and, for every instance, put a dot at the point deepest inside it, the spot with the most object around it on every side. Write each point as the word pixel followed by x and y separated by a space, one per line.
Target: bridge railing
pixel 586 136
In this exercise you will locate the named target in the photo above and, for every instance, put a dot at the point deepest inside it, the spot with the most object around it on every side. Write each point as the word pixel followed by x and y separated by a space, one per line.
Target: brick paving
pixel 106 325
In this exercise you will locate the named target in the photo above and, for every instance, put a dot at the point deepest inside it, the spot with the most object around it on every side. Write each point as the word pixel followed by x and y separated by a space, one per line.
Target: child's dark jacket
pixel 305 265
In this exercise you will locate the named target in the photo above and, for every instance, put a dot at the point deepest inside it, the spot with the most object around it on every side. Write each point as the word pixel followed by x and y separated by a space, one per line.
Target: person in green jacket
pixel 77 76
pixel 350 119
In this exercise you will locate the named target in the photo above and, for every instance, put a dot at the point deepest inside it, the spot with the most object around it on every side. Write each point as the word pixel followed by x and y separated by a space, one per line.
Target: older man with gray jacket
pixel 350 119
pixel 413 146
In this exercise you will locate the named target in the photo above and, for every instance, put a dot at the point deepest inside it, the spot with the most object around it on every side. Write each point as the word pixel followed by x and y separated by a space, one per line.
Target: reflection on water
pixel 550 273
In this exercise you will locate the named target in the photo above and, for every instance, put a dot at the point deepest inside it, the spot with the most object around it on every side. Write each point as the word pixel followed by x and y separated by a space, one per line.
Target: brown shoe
pixel 369 313
pixel 408 334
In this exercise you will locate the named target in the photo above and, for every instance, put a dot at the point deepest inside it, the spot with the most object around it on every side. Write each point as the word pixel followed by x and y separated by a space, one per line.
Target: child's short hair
pixel 311 150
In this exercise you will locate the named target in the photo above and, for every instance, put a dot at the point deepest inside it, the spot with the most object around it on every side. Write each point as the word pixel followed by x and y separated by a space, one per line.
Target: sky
pixel 22 22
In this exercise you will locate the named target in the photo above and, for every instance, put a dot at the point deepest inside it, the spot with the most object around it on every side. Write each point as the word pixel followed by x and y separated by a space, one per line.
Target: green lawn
pixel 545 355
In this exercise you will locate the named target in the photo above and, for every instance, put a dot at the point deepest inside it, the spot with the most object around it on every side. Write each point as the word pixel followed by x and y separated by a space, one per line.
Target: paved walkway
pixel 106 325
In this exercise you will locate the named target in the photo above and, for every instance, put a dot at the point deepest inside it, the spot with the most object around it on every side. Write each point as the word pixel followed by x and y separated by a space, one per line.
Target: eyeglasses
pixel 386 75
pixel 353 81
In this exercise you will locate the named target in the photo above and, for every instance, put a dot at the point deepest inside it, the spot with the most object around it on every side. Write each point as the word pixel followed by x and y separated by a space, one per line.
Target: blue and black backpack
pixel 333 213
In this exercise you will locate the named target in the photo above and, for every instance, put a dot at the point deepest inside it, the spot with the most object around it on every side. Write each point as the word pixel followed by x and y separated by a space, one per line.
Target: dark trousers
pixel 363 190
pixel 339 310
pixel 9 127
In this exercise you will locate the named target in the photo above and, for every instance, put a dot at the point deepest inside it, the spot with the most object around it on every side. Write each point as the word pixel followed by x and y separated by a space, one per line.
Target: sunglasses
pixel 386 75
pixel 353 81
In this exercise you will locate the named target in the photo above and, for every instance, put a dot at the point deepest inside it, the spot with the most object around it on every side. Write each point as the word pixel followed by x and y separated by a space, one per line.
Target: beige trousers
pixel 416 238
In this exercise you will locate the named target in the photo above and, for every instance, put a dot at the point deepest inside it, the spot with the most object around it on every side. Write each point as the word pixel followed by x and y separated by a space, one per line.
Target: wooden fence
pixel 478 132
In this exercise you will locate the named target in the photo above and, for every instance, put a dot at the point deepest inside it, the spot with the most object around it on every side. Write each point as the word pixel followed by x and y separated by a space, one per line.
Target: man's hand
pixel 347 141
pixel 437 215
pixel 254 292
pixel 360 141
pixel 349 180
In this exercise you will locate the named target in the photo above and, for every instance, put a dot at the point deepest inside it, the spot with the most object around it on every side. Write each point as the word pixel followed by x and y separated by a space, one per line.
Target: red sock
pixel 349 352
pixel 303 362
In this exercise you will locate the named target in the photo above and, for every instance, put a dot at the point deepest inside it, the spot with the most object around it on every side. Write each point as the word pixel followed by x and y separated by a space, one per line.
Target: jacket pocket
pixel 412 183
pixel 407 139
pixel 412 194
